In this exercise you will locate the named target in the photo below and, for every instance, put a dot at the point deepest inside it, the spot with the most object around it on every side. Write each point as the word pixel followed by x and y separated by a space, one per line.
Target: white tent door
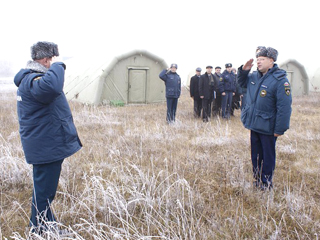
pixel 137 85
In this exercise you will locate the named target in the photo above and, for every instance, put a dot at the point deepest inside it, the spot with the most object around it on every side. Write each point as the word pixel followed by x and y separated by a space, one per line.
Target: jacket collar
pixel 37 67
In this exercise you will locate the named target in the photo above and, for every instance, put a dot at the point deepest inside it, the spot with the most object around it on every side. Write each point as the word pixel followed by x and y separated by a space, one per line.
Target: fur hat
pixel 173 65
pixel 228 65
pixel 42 50
pixel 269 52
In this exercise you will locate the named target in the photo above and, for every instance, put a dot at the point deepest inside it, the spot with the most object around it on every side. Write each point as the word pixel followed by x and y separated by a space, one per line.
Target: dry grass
pixel 139 178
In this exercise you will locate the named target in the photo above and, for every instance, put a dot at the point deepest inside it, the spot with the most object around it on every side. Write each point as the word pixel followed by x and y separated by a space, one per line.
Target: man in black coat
pixel 237 97
pixel 216 103
pixel 206 89
pixel 194 93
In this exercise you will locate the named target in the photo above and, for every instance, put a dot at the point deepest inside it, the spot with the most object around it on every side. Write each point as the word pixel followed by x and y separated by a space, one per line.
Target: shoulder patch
pixel 221 79
pixel 286 84
pixel 288 91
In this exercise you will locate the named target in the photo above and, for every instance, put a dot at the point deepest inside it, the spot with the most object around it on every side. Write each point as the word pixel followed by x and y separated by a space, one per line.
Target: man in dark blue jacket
pixel 267 111
pixel 227 87
pixel 173 90
pixel 194 93
pixel 47 131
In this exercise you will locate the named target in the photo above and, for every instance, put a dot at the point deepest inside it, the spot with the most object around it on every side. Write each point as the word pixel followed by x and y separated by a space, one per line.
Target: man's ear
pixel 48 62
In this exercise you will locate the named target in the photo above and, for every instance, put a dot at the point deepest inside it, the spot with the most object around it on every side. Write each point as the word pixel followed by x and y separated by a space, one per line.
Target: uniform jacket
pixel 206 87
pixel 173 83
pixel 46 129
pixel 194 87
pixel 268 101
pixel 227 82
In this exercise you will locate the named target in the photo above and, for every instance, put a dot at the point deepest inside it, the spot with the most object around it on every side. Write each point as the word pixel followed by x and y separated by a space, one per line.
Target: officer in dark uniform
pixel 266 112
pixel 194 93
pixel 173 90
pixel 216 103
pixel 237 97
pixel 227 88
pixel 48 134
pixel 206 89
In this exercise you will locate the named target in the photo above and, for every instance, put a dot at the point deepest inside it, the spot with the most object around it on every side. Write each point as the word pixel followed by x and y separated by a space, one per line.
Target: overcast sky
pixel 189 33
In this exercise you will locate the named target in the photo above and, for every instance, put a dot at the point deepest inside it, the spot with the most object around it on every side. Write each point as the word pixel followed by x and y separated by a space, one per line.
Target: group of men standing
pixel 265 108
pixel 213 93
pixel 48 134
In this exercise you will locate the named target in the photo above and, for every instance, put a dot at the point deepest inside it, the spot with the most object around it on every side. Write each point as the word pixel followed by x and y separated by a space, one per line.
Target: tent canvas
pixel 297 77
pixel 315 81
pixel 130 78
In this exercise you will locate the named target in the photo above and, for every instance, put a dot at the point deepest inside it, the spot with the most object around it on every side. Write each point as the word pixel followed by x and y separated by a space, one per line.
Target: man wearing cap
pixel 173 90
pixel 47 131
pixel 216 103
pixel 206 89
pixel 227 87
pixel 267 111
pixel 194 93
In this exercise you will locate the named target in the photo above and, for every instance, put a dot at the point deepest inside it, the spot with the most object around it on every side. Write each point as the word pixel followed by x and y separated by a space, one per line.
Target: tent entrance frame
pixel 137 85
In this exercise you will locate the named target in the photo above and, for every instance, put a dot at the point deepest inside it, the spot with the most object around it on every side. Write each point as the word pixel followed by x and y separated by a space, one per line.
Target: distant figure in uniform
pixel 194 93
pixel 48 134
pixel 236 99
pixel 227 87
pixel 206 89
pixel 267 111
pixel 173 90
pixel 216 103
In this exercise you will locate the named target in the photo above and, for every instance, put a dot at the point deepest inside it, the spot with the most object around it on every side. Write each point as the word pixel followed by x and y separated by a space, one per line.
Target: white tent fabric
pixel 315 81
pixel 297 77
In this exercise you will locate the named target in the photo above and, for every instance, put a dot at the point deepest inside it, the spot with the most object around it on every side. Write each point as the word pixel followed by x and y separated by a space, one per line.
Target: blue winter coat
pixel 268 101
pixel 173 83
pixel 46 129
pixel 227 82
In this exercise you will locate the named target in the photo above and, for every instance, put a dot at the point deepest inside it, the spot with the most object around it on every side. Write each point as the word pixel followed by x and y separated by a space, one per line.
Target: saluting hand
pixel 248 65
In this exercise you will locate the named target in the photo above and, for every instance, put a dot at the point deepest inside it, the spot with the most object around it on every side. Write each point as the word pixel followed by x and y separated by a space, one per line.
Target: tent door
pixel 137 85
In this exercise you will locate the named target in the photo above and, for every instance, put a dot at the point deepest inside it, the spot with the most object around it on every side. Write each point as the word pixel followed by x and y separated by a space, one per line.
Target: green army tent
pixel 129 78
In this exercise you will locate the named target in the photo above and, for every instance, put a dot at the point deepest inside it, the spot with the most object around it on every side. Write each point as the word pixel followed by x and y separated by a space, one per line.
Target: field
pixel 139 178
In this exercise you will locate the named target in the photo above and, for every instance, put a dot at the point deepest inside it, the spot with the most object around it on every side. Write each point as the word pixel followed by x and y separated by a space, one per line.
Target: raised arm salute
pixel 267 111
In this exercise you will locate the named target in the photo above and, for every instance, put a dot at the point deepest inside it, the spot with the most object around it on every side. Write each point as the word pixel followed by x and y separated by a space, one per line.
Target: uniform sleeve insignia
pixel 287 90
pixel 37 78
pixel 221 79
pixel 263 93
pixel 286 84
